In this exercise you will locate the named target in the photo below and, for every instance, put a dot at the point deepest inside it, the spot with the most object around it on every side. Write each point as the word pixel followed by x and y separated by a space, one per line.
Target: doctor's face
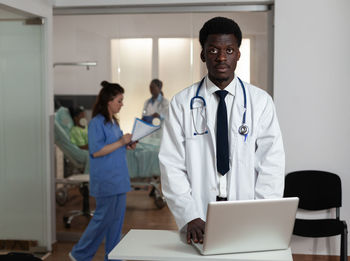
pixel 116 104
pixel 155 90
pixel 221 53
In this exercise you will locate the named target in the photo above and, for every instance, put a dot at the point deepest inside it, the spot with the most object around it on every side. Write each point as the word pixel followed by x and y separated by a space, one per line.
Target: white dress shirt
pixel 212 105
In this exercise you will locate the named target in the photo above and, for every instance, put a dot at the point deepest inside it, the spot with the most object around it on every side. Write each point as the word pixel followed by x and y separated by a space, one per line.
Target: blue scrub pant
pixel 106 223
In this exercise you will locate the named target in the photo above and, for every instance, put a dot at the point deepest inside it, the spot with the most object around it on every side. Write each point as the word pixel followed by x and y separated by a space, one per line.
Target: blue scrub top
pixel 109 174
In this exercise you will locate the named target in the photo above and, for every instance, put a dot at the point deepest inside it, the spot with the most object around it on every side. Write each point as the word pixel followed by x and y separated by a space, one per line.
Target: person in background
pixel 79 134
pixel 221 140
pixel 157 105
pixel 109 176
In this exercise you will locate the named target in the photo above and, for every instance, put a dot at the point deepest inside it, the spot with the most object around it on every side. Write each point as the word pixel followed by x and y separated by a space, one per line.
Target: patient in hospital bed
pixel 62 128
pixel 78 133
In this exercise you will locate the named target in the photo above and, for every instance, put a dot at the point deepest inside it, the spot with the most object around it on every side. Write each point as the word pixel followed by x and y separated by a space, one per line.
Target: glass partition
pixel 179 63
pixel 23 151
pixel 132 68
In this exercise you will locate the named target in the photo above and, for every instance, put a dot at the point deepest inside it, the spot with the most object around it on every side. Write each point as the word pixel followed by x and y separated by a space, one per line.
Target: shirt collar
pixel 211 87
pixel 158 99
pixel 160 96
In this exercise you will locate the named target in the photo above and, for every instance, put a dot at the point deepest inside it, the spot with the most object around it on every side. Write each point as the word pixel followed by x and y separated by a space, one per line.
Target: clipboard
pixel 142 129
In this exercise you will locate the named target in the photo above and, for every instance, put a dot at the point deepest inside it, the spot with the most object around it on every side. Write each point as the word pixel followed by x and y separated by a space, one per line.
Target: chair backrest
pixel 317 190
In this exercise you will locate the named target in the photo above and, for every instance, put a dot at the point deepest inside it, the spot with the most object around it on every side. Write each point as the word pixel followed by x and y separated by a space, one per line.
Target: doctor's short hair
pixel 220 25
pixel 157 82
pixel 108 92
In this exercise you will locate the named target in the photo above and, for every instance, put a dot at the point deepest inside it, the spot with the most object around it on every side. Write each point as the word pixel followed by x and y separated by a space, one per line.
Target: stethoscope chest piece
pixel 243 129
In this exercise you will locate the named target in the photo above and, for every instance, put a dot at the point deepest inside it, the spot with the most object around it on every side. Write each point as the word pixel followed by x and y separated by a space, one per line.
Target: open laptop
pixel 248 226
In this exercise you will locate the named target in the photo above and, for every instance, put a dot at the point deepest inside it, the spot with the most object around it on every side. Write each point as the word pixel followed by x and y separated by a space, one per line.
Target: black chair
pixel 318 190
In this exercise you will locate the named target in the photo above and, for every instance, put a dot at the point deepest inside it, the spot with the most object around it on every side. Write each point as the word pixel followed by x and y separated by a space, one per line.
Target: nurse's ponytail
pixel 108 92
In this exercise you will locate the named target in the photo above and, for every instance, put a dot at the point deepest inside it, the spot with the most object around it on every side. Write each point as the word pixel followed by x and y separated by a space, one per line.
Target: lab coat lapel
pixel 211 136
pixel 210 118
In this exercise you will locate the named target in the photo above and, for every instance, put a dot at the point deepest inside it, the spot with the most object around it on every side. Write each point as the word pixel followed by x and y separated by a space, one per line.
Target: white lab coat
pixel 160 105
pixel 188 161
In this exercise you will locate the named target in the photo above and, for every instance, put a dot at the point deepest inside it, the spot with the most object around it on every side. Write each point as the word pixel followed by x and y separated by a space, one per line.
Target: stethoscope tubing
pixel 245 100
pixel 243 129
pixel 197 96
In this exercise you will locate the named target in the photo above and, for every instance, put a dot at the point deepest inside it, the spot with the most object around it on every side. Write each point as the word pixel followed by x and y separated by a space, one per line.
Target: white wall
pixel 312 92
pixel 33 210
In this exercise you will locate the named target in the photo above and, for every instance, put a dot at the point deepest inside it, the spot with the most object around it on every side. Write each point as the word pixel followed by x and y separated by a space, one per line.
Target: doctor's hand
pixel 156 115
pixel 195 230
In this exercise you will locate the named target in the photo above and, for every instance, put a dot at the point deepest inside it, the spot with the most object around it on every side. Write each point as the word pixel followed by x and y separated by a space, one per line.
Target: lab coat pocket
pixel 245 149
pixel 197 123
pixel 196 131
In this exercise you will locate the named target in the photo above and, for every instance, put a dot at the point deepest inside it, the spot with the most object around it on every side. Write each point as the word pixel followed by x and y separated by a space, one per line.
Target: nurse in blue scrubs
pixel 109 177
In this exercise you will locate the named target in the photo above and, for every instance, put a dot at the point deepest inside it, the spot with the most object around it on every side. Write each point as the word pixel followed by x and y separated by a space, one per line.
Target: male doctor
pixel 224 144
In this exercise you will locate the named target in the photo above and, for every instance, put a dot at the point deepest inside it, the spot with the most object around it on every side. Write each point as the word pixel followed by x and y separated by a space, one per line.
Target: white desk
pixel 168 245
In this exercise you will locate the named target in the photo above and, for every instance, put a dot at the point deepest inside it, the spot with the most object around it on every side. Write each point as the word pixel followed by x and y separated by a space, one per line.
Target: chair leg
pixel 84 190
pixel 344 244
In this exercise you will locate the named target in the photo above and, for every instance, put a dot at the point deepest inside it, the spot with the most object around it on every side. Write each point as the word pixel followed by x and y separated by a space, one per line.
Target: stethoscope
pixel 243 129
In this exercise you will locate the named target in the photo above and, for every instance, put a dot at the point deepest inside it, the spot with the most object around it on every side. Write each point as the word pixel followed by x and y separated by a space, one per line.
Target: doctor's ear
pixel 202 56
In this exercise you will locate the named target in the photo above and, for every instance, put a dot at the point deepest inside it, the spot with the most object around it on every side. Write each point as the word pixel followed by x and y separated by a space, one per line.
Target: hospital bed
pixel 143 165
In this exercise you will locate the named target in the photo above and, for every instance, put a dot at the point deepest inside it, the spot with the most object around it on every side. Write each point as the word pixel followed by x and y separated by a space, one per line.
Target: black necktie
pixel 222 157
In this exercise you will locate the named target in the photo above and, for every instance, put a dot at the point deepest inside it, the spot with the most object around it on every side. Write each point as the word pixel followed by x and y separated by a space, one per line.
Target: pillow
pixel 64 119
